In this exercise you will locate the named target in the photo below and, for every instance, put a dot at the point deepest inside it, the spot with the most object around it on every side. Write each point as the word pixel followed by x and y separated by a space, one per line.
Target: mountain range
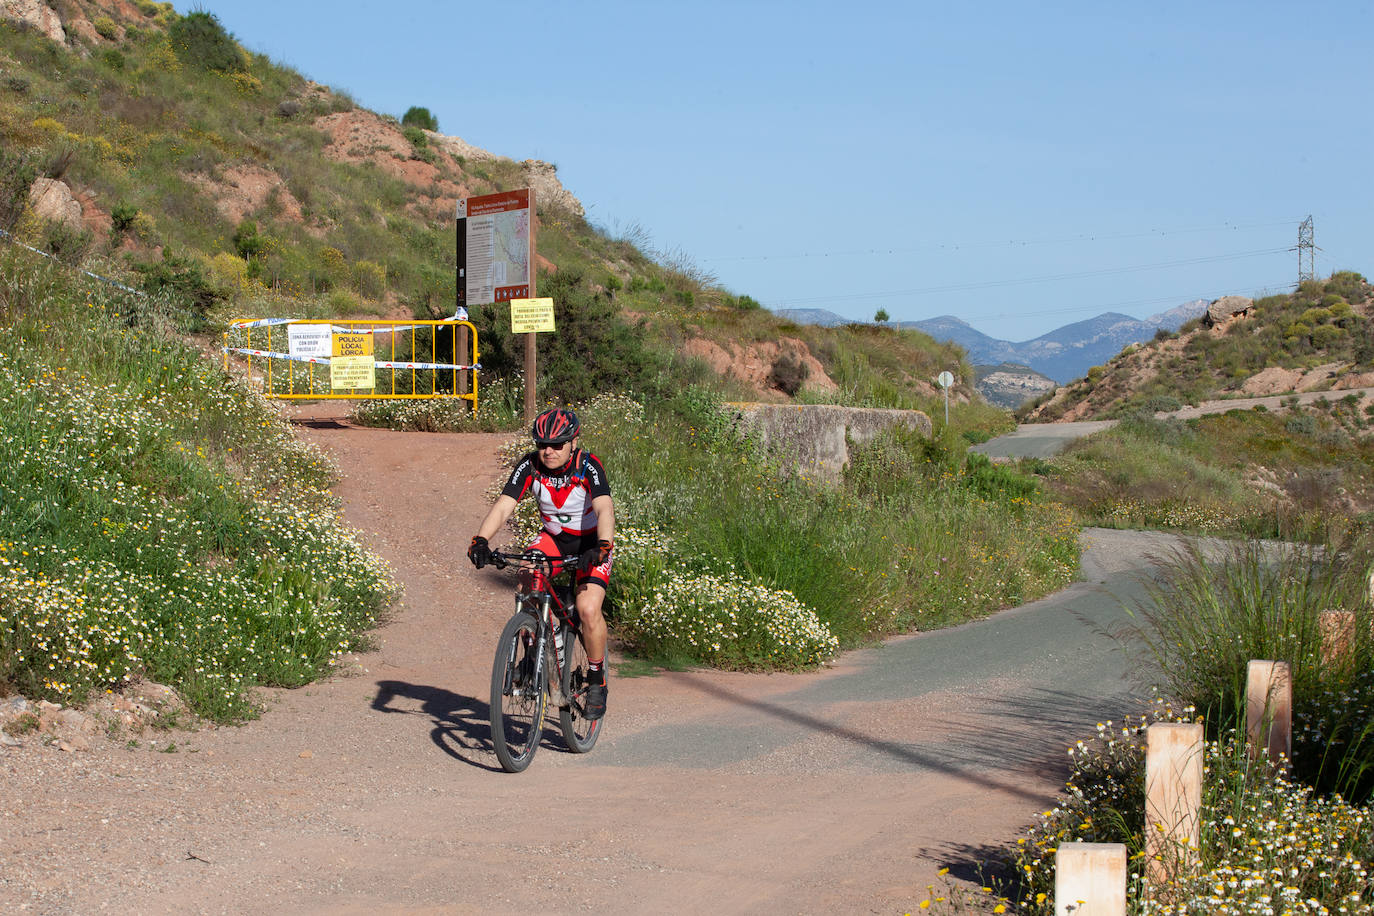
pixel 1063 354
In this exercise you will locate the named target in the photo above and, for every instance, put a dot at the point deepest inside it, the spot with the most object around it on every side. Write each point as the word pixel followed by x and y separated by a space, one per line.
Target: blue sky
pixel 1020 166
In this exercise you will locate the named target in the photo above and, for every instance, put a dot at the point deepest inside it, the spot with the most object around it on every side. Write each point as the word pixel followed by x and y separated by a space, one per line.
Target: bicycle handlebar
pixel 532 559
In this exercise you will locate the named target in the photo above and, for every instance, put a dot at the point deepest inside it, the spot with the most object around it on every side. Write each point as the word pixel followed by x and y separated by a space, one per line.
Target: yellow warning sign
pixel 352 364
pixel 530 315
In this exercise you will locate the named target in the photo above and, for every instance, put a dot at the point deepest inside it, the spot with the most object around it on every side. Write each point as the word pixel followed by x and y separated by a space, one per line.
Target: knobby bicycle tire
pixel 519 695
pixel 579 732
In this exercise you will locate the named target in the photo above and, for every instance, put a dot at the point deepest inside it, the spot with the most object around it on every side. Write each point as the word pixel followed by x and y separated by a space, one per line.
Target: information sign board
pixel 495 247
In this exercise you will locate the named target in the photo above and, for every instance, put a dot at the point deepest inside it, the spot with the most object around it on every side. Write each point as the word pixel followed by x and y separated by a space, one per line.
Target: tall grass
pixel 1267 843
pixel 157 520
pixel 1209 616
pixel 932 548
pixel 1241 473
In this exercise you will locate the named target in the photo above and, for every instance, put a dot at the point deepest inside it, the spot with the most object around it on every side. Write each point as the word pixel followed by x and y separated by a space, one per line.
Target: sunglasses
pixel 554 445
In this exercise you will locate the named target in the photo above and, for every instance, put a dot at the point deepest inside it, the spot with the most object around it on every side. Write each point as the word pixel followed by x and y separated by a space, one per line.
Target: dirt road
pixel 840 791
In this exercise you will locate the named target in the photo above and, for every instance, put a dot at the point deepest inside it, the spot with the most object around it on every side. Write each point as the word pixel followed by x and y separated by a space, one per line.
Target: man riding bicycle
pixel 574 499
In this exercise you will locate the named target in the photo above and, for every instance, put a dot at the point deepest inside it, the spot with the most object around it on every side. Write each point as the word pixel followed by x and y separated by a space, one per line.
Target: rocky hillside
pixel 1317 338
pixel 1009 385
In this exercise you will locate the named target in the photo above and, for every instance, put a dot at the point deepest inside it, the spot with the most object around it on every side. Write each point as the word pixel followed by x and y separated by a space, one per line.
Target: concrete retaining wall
pixel 814 438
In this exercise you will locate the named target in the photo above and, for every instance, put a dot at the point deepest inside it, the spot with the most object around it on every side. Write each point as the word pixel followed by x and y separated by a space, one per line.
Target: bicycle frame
pixel 545 613
pixel 546 604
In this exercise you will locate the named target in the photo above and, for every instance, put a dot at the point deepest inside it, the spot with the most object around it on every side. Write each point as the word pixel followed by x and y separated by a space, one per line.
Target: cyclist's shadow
pixel 462 725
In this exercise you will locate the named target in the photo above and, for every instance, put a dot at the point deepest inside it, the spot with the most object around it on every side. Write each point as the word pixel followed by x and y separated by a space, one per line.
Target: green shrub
pixel 788 373
pixel 1347 284
pixel 369 279
pixel 18 169
pixel 342 302
pixel 1327 335
pixel 1209 615
pixel 996 481
pixel 122 216
pixel 1303 424
pixel 70 243
pixel 1161 403
pixel 105 27
pixel 182 278
pixel 200 40
pixel 248 242
pixel 416 137
pixel 594 350
pixel 421 119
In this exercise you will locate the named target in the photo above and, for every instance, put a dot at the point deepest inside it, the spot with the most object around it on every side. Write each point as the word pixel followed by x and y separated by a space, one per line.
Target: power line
pixel 1086 237
pixel 1049 278
pixel 1108 306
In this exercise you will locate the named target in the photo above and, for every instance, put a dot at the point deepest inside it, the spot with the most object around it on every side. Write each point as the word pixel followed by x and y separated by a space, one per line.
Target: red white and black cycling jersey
pixel 565 496
pixel 565 503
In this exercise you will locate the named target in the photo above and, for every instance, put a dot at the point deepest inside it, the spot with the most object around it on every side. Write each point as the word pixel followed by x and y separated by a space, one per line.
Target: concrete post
pixel 1269 709
pixel 1090 879
pixel 1173 795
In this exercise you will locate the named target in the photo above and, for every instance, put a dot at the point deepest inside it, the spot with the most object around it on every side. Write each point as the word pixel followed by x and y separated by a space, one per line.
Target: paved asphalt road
pixel 1042 440
pixel 1039 440
pixel 1045 671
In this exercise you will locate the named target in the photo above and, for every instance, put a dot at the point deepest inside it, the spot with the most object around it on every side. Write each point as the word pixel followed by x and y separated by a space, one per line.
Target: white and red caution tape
pixel 324 360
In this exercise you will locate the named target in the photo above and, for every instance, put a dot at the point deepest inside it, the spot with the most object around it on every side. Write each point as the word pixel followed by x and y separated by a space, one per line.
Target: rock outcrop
pixel 53 200
pixel 36 14
pixel 1227 308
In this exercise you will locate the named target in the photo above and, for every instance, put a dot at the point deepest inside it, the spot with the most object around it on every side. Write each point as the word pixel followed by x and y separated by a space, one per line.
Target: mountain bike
pixel 540 662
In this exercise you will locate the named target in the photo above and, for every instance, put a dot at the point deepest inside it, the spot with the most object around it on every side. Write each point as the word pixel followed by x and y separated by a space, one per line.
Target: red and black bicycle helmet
pixel 555 426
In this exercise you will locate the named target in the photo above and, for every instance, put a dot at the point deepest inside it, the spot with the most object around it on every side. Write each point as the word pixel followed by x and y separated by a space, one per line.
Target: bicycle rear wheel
pixel 518 695
pixel 579 732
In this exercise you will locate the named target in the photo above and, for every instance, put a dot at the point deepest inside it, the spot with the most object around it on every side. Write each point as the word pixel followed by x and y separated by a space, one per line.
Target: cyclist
pixel 579 522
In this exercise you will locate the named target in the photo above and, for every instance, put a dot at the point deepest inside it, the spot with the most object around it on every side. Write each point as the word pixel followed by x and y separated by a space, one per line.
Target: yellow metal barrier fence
pixel 358 358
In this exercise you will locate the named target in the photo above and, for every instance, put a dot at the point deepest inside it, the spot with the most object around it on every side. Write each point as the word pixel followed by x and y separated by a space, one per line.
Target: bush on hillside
pixel 1347 284
pixel 417 116
pixel 788 373
pixel 594 350
pixel 182 278
pixel 17 172
pixel 201 41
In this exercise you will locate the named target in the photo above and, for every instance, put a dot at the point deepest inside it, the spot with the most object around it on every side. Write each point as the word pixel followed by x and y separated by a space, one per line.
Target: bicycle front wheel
pixel 518 695
pixel 579 732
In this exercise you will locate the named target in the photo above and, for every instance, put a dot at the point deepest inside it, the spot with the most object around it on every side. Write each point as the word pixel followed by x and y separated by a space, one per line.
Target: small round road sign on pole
pixel 946 379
